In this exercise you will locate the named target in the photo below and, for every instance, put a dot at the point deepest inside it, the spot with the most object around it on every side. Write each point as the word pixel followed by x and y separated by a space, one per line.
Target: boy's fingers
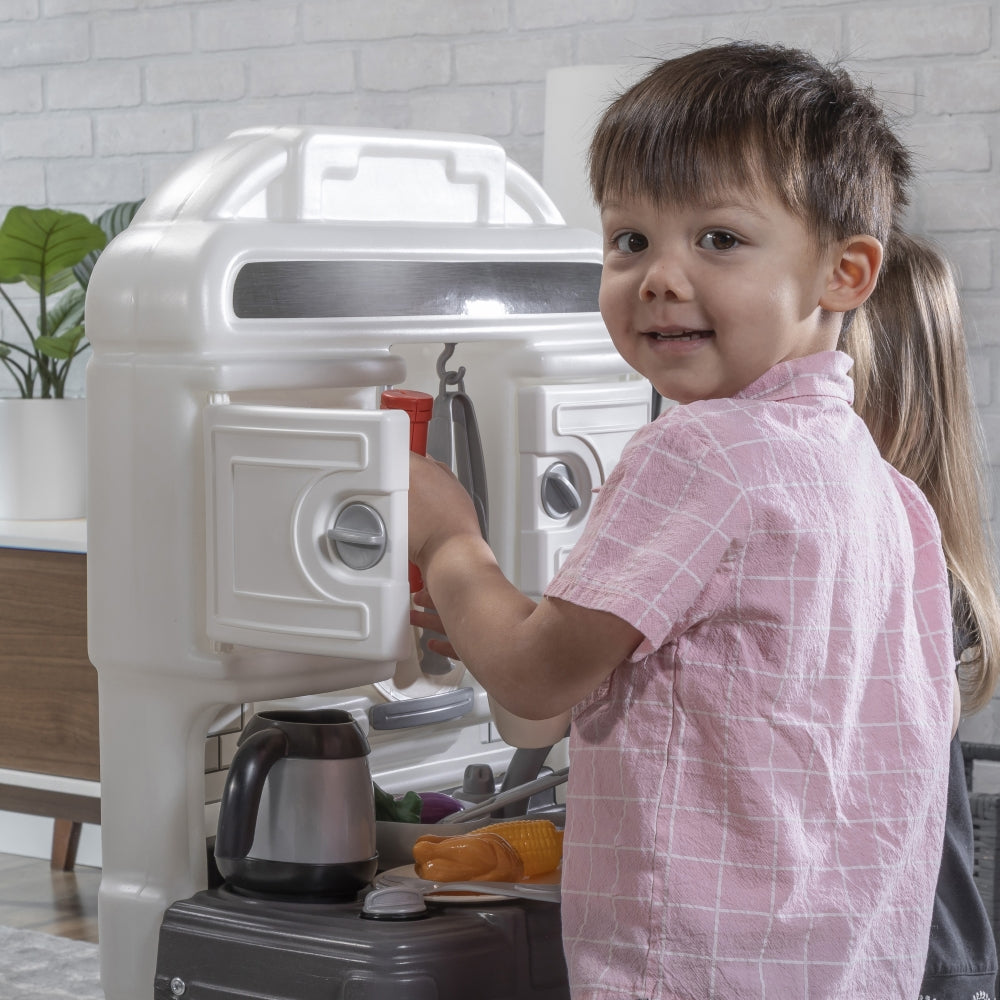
pixel 429 620
pixel 443 647
pixel 422 599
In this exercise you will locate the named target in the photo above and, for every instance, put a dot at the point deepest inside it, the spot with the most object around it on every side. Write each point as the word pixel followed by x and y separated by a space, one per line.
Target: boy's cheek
pixel 612 301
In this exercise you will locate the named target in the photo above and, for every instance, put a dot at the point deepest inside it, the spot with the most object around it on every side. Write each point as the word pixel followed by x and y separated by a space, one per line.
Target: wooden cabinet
pixel 47 684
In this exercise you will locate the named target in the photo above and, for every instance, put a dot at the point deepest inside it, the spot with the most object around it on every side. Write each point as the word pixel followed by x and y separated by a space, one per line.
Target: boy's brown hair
pixel 740 116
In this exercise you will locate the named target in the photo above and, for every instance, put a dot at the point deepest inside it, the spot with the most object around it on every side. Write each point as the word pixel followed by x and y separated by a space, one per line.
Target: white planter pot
pixel 43 459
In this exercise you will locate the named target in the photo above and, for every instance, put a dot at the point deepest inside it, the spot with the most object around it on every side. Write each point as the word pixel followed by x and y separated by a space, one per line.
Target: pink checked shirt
pixel 756 800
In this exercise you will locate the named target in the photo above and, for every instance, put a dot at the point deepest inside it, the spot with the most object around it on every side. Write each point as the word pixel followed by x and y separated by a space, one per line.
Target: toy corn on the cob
pixel 537 842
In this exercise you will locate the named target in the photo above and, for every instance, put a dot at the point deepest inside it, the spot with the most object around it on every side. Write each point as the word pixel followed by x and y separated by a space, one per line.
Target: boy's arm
pixel 537 660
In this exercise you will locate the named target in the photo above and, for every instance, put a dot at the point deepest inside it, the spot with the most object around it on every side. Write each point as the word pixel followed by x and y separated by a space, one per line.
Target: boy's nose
pixel 664 279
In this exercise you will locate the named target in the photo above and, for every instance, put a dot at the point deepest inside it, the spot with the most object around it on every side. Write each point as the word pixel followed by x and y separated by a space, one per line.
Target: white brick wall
pixel 103 84
pixel 101 99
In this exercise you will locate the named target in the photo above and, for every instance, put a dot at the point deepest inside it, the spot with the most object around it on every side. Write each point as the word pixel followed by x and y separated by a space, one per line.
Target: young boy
pixel 753 634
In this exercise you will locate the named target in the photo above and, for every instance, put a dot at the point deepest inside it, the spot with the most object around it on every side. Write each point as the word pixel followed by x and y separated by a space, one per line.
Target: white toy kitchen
pixel 247 497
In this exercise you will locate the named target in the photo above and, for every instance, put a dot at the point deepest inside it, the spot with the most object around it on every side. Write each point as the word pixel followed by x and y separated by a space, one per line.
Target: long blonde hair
pixel 912 390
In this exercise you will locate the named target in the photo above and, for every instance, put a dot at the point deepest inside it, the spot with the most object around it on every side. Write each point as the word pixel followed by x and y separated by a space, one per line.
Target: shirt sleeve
pixel 661 541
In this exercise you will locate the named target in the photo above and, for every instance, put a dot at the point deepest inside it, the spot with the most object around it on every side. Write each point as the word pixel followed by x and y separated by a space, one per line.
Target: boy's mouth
pixel 679 335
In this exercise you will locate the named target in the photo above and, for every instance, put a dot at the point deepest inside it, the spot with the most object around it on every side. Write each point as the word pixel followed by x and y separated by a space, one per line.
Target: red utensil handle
pixel 418 406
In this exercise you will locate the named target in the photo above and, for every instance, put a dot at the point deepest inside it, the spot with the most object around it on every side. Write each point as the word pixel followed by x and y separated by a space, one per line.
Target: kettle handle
pixel 251 763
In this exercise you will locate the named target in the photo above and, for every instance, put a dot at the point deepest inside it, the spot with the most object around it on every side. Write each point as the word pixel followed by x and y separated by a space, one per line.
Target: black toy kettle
pixel 297 817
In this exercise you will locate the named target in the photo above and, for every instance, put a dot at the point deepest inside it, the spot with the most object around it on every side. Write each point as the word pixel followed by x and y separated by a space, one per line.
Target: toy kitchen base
pixel 247 493
pixel 220 945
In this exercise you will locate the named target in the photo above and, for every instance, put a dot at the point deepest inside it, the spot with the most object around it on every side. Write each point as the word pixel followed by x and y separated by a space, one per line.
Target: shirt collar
pixel 822 374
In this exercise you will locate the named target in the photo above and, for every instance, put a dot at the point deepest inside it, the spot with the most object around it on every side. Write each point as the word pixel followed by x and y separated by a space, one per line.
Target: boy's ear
pixel 856 263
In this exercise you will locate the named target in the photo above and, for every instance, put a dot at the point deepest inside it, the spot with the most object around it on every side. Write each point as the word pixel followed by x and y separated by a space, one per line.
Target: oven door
pixel 306 529
pixel 569 439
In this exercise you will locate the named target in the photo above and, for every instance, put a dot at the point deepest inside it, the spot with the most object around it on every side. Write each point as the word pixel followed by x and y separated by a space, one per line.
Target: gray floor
pixel 37 966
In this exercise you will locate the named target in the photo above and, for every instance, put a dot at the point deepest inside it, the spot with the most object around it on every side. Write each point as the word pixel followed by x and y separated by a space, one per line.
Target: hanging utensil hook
pixel 447 377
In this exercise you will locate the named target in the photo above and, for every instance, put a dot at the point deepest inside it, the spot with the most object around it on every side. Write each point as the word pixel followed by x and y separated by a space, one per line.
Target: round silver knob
pixel 358 536
pixel 560 497
pixel 394 903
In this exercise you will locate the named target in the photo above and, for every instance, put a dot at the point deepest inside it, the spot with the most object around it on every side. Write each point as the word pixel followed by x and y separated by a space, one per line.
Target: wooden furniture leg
pixel 65 840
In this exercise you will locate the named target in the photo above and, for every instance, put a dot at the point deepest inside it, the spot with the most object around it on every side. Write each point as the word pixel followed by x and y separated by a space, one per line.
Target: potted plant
pixel 42 433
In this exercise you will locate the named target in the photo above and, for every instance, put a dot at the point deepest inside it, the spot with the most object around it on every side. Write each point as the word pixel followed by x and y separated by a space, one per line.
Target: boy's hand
pixel 439 508
pixel 430 621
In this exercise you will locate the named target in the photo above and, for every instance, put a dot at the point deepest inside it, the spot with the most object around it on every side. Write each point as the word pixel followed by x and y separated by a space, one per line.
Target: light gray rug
pixel 36 966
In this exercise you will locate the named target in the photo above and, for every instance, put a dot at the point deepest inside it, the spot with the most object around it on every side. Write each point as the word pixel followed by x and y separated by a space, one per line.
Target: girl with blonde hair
pixel 912 390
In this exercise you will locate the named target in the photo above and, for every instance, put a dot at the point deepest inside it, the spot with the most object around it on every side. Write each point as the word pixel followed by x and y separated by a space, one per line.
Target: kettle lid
pixel 325 733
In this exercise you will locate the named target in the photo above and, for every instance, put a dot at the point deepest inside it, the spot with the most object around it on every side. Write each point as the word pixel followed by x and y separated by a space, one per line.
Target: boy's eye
pixel 718 239
pixel 629 242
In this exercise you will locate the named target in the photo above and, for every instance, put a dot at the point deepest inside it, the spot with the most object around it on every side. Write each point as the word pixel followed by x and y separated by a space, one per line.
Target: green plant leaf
pixel 67 311
pixel 54 283
pixel 44 248
pixel 115 220
pixel 62 347
pixel 43 241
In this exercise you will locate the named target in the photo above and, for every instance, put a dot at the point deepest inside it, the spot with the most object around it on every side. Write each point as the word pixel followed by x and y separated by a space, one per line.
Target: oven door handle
pixel 422 711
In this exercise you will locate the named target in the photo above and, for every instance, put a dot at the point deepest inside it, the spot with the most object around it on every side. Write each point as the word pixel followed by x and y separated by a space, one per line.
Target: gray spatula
pixel 453 439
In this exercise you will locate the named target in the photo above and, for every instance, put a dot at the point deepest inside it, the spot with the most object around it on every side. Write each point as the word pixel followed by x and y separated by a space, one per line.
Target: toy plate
pixel 543 887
